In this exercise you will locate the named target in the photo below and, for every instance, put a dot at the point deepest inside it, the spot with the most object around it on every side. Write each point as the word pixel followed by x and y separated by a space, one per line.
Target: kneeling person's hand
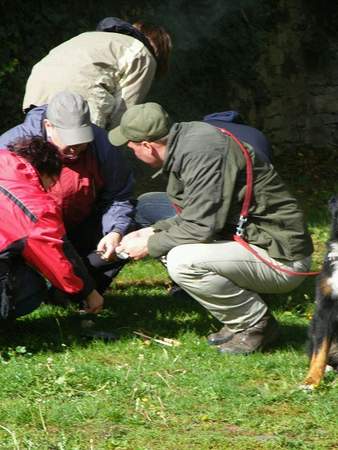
pixel 94 302
pixel 107 245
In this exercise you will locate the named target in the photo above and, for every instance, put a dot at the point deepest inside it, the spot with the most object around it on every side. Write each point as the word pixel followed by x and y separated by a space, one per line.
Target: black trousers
pixel 85 238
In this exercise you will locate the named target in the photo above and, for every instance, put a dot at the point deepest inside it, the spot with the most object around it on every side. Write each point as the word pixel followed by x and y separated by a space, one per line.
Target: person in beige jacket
pixel 112 68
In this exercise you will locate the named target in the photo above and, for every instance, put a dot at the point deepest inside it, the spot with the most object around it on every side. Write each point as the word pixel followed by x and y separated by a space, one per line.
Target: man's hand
pixel 142 233
pixel 94 302
pixel 136 243
pixel 107 245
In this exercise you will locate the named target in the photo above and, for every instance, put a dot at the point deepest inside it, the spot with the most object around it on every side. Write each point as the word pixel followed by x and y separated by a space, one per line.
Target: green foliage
pixel 64 392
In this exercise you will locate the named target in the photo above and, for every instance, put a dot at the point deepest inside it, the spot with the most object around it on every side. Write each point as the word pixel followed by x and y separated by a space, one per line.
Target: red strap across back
pixel 238 237
pixel 249 174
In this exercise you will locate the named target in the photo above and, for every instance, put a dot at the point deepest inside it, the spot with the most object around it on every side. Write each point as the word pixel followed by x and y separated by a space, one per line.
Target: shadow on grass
pixel 300 300
pixel 292 336
pixel 158 314
pixel 51 328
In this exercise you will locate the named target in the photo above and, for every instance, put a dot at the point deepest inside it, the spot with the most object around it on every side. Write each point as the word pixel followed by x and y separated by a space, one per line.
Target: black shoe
pixel 6 326
pixel 177 292
pixel 222 336
pixel 105 336
pixel 257 337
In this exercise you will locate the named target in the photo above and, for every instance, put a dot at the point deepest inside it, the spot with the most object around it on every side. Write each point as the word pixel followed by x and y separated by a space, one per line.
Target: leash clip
pixel 240 226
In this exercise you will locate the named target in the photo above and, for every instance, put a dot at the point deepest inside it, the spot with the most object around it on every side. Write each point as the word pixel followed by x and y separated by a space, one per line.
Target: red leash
pixel 276 267
pixel 238 237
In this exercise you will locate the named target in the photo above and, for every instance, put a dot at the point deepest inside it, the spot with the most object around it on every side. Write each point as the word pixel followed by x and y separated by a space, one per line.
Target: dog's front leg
pixel 320 333
pixel 318 363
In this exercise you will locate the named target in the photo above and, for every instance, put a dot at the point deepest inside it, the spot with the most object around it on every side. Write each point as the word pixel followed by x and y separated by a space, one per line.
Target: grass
pixel 62 391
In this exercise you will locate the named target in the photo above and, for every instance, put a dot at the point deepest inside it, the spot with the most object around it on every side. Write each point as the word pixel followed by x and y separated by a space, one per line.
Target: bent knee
pixel 180 263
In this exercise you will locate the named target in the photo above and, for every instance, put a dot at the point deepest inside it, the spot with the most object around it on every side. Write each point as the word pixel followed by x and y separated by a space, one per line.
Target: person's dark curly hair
pixel 42 155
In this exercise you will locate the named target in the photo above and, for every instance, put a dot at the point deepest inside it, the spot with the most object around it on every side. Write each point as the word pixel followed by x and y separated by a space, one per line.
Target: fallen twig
pixel 164 341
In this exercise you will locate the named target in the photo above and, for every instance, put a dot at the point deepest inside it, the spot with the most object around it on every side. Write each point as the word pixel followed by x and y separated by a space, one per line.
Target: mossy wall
pixel 274 61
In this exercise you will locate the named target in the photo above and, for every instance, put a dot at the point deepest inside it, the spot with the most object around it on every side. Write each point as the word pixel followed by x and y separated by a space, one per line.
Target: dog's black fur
pixel 323 332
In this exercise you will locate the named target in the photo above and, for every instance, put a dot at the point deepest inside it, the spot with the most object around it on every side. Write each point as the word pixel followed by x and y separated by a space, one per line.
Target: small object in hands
pixel 100 253
pixel 122 255
pixel 105 336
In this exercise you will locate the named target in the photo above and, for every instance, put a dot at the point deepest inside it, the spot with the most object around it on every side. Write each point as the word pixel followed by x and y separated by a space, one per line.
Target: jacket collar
pixel 171 146
pixel 116 25
pixel 34 120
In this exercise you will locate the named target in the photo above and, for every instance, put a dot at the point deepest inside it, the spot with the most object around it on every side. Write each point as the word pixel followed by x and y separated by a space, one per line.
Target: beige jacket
pixel 111 71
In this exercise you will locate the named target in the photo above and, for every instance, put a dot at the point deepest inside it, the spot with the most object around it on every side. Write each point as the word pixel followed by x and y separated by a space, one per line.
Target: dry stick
pixel 163 379
pixel 163 341
pixel 42 419
pixel 60 330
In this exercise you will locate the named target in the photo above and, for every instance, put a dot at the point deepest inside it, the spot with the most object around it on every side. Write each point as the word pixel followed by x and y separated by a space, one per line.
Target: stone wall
pixel 299 68
pixel 274 61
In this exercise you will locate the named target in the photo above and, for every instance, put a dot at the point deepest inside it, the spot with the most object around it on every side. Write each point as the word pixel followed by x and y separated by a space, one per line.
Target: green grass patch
pixel 62 391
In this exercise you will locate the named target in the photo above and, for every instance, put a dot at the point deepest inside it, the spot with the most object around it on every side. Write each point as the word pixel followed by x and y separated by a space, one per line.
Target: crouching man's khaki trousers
pixel 227 279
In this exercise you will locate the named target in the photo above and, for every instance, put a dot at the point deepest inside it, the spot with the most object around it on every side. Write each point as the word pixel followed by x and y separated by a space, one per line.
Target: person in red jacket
pixel 33 243
pixel 95 187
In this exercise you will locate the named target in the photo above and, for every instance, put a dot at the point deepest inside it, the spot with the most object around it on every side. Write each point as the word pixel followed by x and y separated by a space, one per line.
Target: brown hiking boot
pixel 222 336
pixel 255 338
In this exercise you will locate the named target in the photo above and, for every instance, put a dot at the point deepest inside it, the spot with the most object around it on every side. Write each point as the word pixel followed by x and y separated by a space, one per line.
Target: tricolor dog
pixel 324 326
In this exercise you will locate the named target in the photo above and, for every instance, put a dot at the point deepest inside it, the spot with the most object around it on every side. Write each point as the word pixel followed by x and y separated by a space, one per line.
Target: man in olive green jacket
pixel 206 181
